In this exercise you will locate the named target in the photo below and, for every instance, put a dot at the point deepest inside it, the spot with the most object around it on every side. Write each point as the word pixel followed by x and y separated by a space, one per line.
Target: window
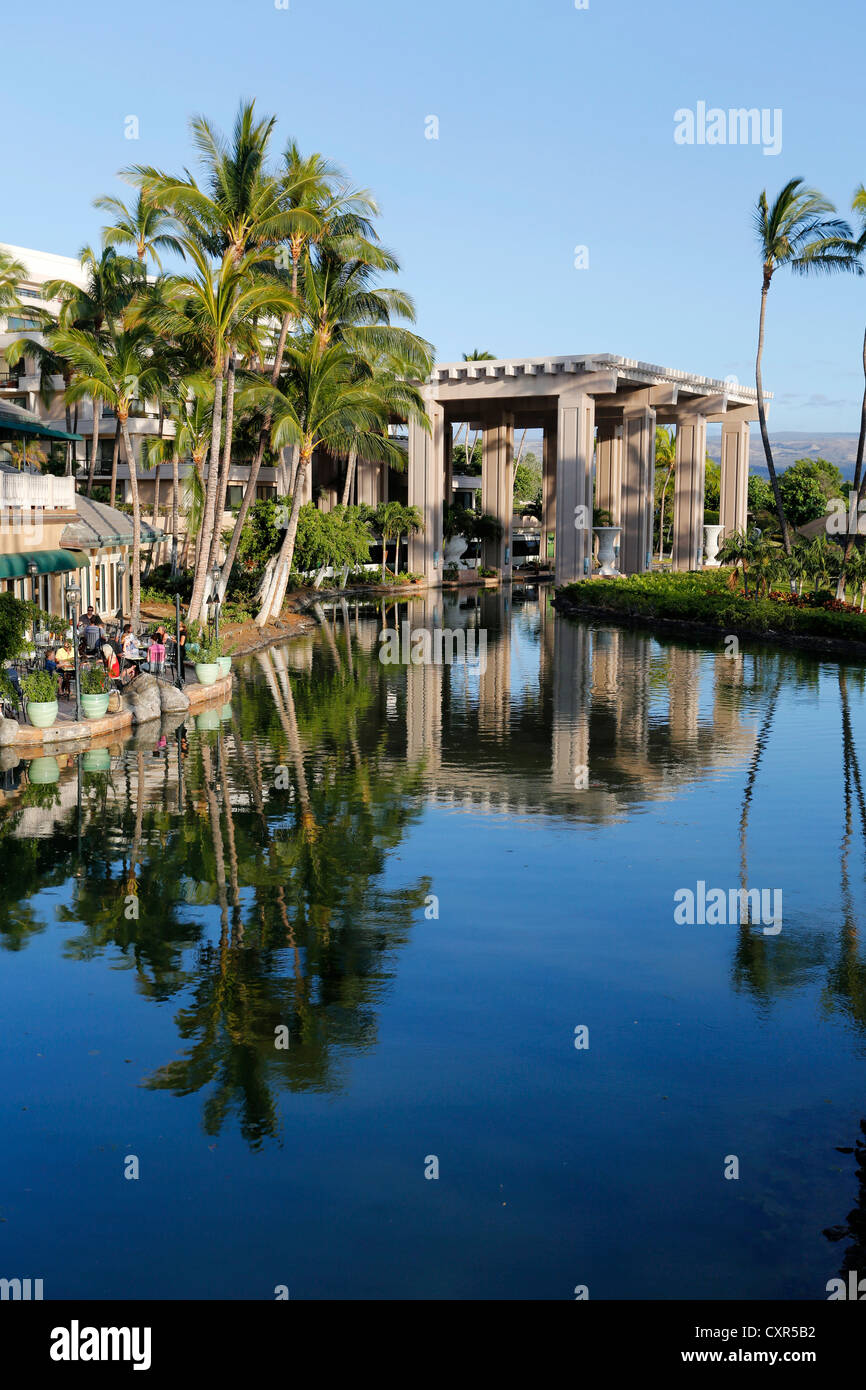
pixel 27 294
pixel 19 325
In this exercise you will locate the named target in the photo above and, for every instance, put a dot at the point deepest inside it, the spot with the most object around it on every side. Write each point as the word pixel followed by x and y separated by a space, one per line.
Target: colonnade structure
pixel 599 416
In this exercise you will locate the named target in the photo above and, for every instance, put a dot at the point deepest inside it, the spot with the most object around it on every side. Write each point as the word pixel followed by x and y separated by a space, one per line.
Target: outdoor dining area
pixel 85 665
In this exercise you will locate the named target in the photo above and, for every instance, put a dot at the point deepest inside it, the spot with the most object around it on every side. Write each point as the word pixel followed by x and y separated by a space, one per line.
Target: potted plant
pixel 224 661
pixel 207 667
pixel 40 694
pixel 95 691
pixel 488 576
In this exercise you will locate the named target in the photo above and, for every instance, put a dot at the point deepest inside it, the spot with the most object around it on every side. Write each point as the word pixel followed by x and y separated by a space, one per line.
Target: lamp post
pixel 121 571
pixel 73 595
pixel 178 652
pixel 33 570
pixel 213 603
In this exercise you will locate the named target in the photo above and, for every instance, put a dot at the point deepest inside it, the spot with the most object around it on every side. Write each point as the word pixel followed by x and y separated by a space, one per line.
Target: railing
pixel 9 379
pixel 37 490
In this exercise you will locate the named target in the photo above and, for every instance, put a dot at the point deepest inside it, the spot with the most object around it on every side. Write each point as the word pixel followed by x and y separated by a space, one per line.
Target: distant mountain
pixel 790 445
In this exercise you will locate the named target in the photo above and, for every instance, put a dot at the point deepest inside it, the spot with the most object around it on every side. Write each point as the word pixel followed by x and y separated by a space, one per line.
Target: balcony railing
pixel 37 490
pixel 9 379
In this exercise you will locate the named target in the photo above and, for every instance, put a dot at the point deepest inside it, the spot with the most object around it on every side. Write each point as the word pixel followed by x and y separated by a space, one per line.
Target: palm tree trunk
pixel 225 469
pixel 135 576
pixel 209 517
pixel 94 446
pixel 855 488
pixel 68 414
pixel 662 515
pixel 762 417
pixel 175 518
pixel 350 473
pixel 114 455
pixel 250 489
pixel 273 601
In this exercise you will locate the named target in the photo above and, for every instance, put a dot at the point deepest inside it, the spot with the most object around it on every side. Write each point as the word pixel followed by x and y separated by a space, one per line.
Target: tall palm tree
pixel 12 272
pixel 216 307
pixel 117 370
pixel 111 282
pixel 479 355
pixel 320 401
pixel 798 230
pixel 859 206
pixel 321 210
pixel 143 226
pixel 666 457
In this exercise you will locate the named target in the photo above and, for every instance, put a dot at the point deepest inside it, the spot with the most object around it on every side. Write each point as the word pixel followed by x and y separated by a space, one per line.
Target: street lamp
pixel 213 603
pixel 73 597
pixel 33 570
pixel 121 571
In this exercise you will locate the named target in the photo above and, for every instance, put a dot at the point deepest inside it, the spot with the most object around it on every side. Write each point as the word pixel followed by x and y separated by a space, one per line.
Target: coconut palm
pixel 859 206
pixel 111 282
pixel 320 402
pixel 666 457
pixel 479 355
pixel 143 226
pixel 798 230
pixel 397 521
pixel 12 272
pixel 117 369
pixel 218 310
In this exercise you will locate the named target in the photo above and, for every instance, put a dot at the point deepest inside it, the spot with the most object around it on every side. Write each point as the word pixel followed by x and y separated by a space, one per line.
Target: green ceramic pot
pixel 207 721
pixel 206 672
pixel 95 706
pixel 96 760
pixel 42 713
pixel 225 664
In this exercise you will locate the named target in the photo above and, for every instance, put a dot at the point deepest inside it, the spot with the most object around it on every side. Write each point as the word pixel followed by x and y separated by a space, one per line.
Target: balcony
pixel 9 381
pixel 41 490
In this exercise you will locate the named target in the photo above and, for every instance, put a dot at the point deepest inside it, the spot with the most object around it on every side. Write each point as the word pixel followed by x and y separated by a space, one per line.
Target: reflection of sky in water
pixel 413 1033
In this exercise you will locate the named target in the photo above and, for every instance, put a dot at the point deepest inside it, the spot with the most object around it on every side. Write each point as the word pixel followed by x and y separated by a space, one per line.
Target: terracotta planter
pixel 95 706
pixel 206 672
pixel 42 713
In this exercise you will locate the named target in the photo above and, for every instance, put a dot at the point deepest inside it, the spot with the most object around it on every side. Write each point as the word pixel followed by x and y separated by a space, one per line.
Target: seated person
pixel 110 661
pixel 94 635
pixel 131 654
pixel 51 660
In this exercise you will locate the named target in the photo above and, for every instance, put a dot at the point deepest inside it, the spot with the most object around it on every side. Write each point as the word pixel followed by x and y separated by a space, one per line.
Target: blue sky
pixel 556 130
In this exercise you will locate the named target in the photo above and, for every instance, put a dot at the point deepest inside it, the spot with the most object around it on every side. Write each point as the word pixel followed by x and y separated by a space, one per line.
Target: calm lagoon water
pixel 431 876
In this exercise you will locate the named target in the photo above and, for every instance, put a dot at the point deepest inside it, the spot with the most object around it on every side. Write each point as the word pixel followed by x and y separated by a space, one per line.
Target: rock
pixel 8 732
pixel 142 698
pixel 172 700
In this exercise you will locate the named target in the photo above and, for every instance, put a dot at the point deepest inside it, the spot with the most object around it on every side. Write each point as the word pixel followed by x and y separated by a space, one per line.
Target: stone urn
pixel 607 538
pixel 712 537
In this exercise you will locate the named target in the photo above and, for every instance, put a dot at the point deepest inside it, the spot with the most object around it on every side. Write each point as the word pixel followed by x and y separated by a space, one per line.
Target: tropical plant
pixel 799 230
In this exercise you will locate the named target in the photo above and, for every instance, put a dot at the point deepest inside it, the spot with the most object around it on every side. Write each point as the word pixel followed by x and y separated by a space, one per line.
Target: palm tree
pixel 12 272
pixel 215 309
pixel 479 355
pixel 144 226
pixel 398 522
pixel 117 370
pixel 666 457
pixel 320 401
pixel 111 281
pixel 859 206
pixel 799 231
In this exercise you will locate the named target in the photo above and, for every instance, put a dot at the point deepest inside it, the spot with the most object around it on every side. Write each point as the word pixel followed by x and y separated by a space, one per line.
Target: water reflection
pixel 240 866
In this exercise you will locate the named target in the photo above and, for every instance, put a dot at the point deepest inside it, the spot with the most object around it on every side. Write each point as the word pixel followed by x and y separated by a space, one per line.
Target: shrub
pixel 94 681
pixel 40 687
pixel 485 572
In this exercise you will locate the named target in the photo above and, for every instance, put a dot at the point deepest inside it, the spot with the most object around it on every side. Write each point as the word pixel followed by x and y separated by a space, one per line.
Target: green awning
pixel 15 421
pixel 47 562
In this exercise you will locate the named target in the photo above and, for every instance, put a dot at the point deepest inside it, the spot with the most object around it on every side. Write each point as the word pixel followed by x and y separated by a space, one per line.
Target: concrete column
pixel 635 666
pixel 497 489
pixel 548 486
pixel 575 441
pixel 368 482
pixel 735 476
pixel 494 683
pixel 426 491
pixel 449 464
pixel 689 492
pixel 608 469
pixel 638 474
